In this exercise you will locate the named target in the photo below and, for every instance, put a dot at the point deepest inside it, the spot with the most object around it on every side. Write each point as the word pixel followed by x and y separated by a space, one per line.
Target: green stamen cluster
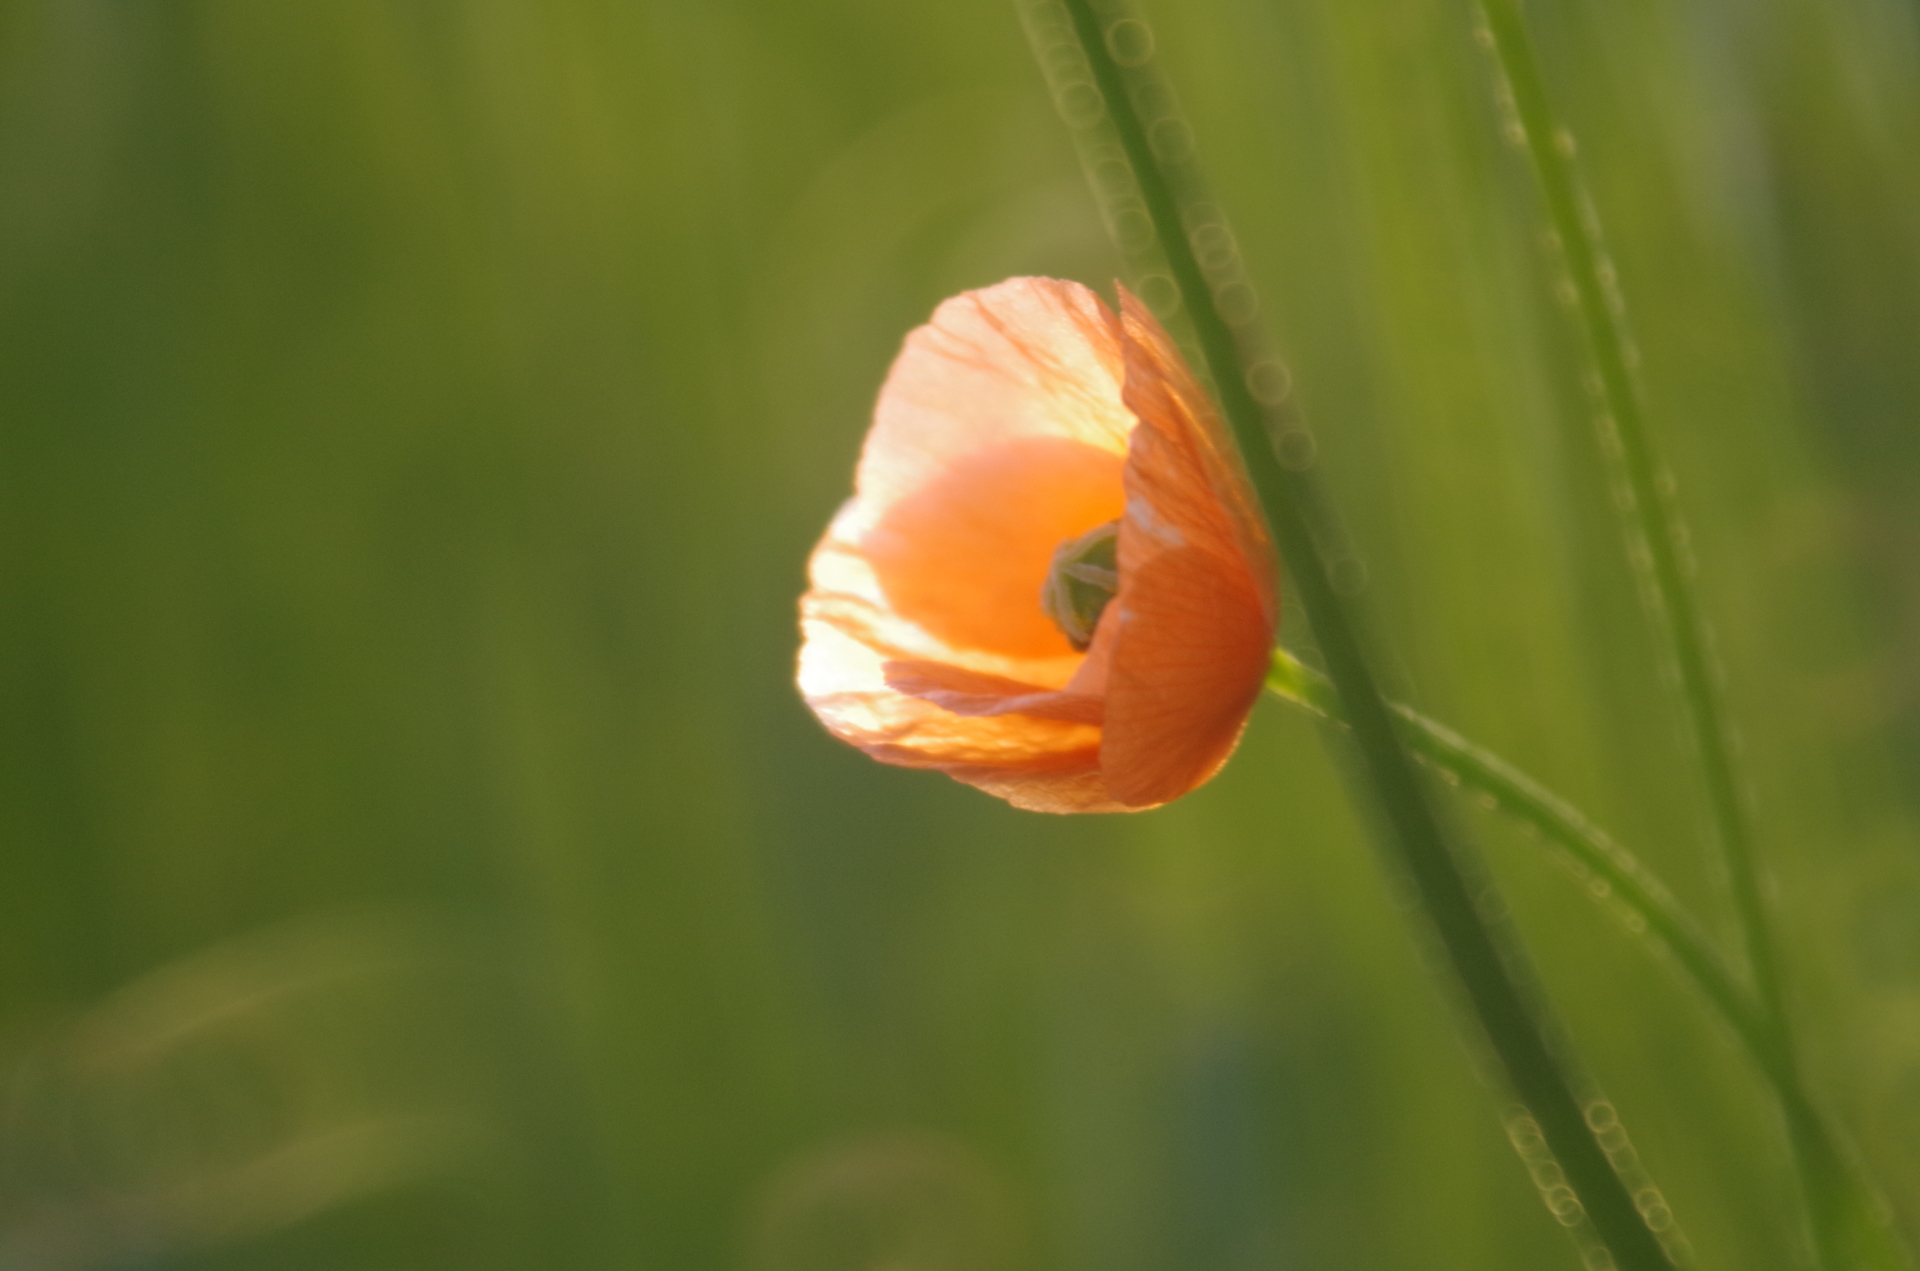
pixel 1084 577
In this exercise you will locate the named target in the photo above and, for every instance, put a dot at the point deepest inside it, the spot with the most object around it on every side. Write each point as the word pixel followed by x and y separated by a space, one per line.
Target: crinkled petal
pixel 964 692
pixel 1027 358
pixel 1196 607
pixel 999 432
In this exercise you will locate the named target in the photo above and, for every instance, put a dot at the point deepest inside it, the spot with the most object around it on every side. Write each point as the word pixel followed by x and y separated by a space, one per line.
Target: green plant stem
pixel 1855 1221
pixel 1644 902
pixel 1653 522
pixel 1439 868
pixel 1837 1200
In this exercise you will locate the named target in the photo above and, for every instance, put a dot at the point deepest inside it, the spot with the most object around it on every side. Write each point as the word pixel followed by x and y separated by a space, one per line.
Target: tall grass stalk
pixel 1446 876
pixel 1846 1222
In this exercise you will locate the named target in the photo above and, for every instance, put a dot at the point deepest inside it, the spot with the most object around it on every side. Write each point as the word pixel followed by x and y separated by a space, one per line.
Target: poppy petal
pixel 999 432
pixel 1196 602
pixel 970 693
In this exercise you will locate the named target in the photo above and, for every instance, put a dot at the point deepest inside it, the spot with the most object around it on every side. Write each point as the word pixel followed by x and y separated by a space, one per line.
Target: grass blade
pixel 1843 1217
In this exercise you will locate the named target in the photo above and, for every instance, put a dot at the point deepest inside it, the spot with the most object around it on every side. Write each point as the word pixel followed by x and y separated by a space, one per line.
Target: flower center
pixel 1084 577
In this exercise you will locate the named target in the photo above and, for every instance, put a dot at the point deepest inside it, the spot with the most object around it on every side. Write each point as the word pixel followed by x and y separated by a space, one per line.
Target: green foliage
pixel 417 415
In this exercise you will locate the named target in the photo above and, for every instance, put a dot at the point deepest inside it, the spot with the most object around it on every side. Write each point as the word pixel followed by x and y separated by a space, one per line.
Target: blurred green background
pixel 416 417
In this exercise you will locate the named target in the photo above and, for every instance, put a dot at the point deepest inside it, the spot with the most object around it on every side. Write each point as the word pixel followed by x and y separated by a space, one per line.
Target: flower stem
pixel 1657 537
pixel 1445 874
pixel 1845 1226
pixel 1612 873
pixel 1858 1233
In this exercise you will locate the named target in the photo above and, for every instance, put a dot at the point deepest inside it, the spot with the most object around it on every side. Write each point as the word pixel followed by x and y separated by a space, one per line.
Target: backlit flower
pixel 1013 427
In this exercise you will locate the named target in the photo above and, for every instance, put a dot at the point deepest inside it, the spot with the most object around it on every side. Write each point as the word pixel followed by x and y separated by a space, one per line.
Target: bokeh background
pixel 416 415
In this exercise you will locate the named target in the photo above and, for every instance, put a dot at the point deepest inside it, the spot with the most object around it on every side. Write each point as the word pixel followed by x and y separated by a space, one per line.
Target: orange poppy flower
pixel 1012 428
